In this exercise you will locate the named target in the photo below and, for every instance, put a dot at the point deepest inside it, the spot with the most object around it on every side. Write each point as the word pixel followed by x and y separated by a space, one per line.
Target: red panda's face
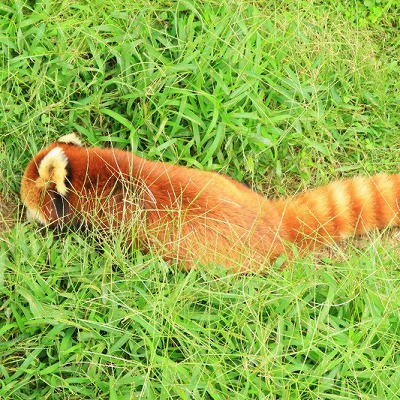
pixel 43 187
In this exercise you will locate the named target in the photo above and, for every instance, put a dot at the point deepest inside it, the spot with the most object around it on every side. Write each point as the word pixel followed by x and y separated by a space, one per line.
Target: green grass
pixel 281 95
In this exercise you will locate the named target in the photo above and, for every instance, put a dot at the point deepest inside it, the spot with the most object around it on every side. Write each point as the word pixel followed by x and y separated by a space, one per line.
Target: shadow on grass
pixel 8 213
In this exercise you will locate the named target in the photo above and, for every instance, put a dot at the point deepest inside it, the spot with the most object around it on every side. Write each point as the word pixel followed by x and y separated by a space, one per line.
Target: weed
pixel 281 95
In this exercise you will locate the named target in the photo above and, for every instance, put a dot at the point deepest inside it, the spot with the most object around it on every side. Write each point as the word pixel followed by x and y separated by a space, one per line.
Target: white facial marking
pixel 53 168
pixel 35 215
pixel 71 138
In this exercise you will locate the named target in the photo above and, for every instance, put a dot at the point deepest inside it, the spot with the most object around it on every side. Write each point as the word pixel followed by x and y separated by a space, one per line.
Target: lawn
pixel 280 95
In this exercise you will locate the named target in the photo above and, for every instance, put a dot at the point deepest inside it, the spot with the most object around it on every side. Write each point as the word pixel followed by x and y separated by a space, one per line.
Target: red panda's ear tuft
pixel 53 169
pixel 71 138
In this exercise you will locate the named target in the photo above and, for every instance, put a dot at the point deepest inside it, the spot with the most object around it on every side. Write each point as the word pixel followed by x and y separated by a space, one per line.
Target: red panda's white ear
pixel 71 138
pixel 53 169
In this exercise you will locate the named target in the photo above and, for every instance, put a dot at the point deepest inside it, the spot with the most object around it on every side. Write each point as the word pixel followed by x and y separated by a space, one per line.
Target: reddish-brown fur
pixel 204 218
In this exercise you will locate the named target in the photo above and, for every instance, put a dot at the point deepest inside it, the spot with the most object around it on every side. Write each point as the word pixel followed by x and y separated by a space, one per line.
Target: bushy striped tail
pixel 340 209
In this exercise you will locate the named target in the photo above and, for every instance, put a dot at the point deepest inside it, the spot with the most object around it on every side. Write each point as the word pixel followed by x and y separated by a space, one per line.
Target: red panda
pixel 192 216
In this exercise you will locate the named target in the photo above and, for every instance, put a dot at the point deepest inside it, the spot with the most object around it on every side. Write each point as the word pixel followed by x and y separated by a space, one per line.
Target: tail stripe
pixel 386 199
pixel 362 194
pixel 342 215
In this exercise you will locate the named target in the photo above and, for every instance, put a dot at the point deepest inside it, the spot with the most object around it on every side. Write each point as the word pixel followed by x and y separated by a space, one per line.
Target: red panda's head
pixel 66 183
pixel 44 187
